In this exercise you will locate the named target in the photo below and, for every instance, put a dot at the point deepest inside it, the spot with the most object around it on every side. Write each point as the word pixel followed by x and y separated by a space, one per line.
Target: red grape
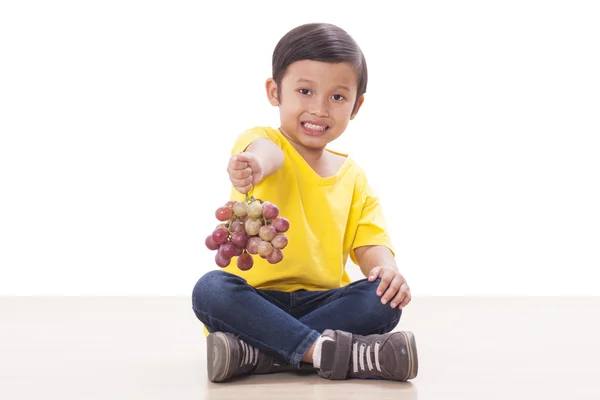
pixel 238 251
pixel 230 203
pixel 275 256
pixel 281 224
pixel 280 241
pixel 222 261
pixel 227 250
pixel 264 249
pixel 238 226
pixel 255 210
pixel 253 226
pixel 270 211
pixel 252 245
pixel 267 233
pixel 239 239
pixel 210 243
pixel 245 262
pixel 220 235
pixel 223 213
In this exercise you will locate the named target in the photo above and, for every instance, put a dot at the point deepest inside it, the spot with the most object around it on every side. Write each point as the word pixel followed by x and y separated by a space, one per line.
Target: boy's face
pixel 315 101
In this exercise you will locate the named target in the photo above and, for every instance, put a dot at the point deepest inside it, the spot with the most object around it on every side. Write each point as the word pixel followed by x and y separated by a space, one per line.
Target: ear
pixel 361 99
pixel 271 87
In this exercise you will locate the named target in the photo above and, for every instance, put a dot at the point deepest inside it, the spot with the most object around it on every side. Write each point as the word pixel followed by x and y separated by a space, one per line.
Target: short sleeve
pixel 246 138
pixel 371 229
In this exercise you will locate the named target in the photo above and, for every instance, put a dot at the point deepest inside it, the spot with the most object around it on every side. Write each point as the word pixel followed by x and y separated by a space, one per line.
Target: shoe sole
pixel 218 357
pixel 413 359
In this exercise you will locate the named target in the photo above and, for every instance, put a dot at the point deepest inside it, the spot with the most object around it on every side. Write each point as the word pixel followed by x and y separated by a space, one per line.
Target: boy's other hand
pixel 245 171
pixel 393 286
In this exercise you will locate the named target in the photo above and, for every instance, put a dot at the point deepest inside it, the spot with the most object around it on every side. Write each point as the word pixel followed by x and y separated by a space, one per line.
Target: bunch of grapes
pixel 248 227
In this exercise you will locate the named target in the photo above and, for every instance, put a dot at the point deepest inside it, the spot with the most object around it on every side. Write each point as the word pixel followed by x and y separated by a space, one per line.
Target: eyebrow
pixel 304 80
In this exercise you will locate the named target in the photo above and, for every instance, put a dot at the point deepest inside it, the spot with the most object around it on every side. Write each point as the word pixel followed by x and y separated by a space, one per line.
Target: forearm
pixel 369 257
pixel 269 155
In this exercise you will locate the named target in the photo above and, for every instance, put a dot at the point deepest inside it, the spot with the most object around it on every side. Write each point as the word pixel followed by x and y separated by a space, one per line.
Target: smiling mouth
pixel 314 127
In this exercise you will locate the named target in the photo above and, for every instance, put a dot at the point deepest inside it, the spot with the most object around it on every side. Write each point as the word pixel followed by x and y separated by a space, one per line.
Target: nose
pixel 319 106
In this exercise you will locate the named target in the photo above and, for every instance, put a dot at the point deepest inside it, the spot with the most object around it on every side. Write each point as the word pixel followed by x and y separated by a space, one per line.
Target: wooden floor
pixel 153 348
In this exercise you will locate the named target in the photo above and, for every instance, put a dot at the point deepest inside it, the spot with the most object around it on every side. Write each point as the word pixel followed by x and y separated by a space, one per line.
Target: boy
pixel 304 312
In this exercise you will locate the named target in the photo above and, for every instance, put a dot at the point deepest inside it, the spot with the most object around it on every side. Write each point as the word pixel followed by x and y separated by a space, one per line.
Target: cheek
pixel 343 113
pixel 340 126
pixel 293 106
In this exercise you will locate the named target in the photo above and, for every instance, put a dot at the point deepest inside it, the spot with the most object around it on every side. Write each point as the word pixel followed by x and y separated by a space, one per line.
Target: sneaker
pixel 228 356
pixel 392 356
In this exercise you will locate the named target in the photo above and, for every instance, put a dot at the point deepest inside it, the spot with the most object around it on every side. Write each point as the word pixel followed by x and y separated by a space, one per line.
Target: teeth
pixel 314 127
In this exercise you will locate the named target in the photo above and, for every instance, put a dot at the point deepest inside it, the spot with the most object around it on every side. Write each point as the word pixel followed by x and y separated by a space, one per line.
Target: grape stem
pixel 229 224
pixel 250 199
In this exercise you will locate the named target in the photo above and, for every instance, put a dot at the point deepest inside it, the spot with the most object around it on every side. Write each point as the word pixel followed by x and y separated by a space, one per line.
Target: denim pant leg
pixel 354 308
pixel 225 302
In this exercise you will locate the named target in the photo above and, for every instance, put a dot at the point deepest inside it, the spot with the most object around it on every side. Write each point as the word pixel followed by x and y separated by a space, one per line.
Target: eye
pixel 338 97
pixel 304 91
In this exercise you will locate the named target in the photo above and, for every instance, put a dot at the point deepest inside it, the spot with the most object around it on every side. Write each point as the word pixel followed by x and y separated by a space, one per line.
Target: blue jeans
pixel 285 325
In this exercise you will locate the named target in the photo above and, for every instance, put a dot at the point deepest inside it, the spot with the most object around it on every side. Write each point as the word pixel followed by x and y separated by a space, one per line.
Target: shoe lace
pixel 249 354
pixel 362 353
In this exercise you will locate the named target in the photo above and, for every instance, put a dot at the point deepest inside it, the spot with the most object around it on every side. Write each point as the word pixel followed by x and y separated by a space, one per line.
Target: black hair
pixel 319 42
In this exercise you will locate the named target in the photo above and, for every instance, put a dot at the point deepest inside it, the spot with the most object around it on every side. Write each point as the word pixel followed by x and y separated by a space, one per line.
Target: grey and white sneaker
pixel 228 356
pixel 392 356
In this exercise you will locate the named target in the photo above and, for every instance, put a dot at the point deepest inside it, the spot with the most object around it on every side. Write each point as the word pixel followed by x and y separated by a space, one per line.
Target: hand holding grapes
pixel 245 171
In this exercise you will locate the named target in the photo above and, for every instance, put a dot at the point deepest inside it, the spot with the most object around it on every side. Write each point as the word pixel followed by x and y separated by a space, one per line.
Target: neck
pixel 310 155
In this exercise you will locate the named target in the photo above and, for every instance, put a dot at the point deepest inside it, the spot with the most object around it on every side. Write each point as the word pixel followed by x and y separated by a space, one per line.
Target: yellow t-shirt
pixel 329 218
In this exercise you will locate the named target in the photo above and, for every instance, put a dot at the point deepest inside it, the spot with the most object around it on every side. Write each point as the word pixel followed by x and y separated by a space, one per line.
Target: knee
pixel 386 316
pixel 390 318
pixel 211 287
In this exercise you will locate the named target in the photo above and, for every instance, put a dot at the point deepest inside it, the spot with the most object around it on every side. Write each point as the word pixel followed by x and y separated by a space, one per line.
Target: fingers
pixel 387 277
pixel 236 163
pixel 393 288
pixel 374 274
pixel 244 157
pixel 245 171
pixel 402 298
pixel 242 183
pixel 243 189
pixel 240 173
pixel 256 177
pixel 406 300
pixel 251 161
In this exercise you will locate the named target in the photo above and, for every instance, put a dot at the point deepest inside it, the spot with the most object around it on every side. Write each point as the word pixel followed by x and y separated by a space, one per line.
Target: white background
pixel 480 132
